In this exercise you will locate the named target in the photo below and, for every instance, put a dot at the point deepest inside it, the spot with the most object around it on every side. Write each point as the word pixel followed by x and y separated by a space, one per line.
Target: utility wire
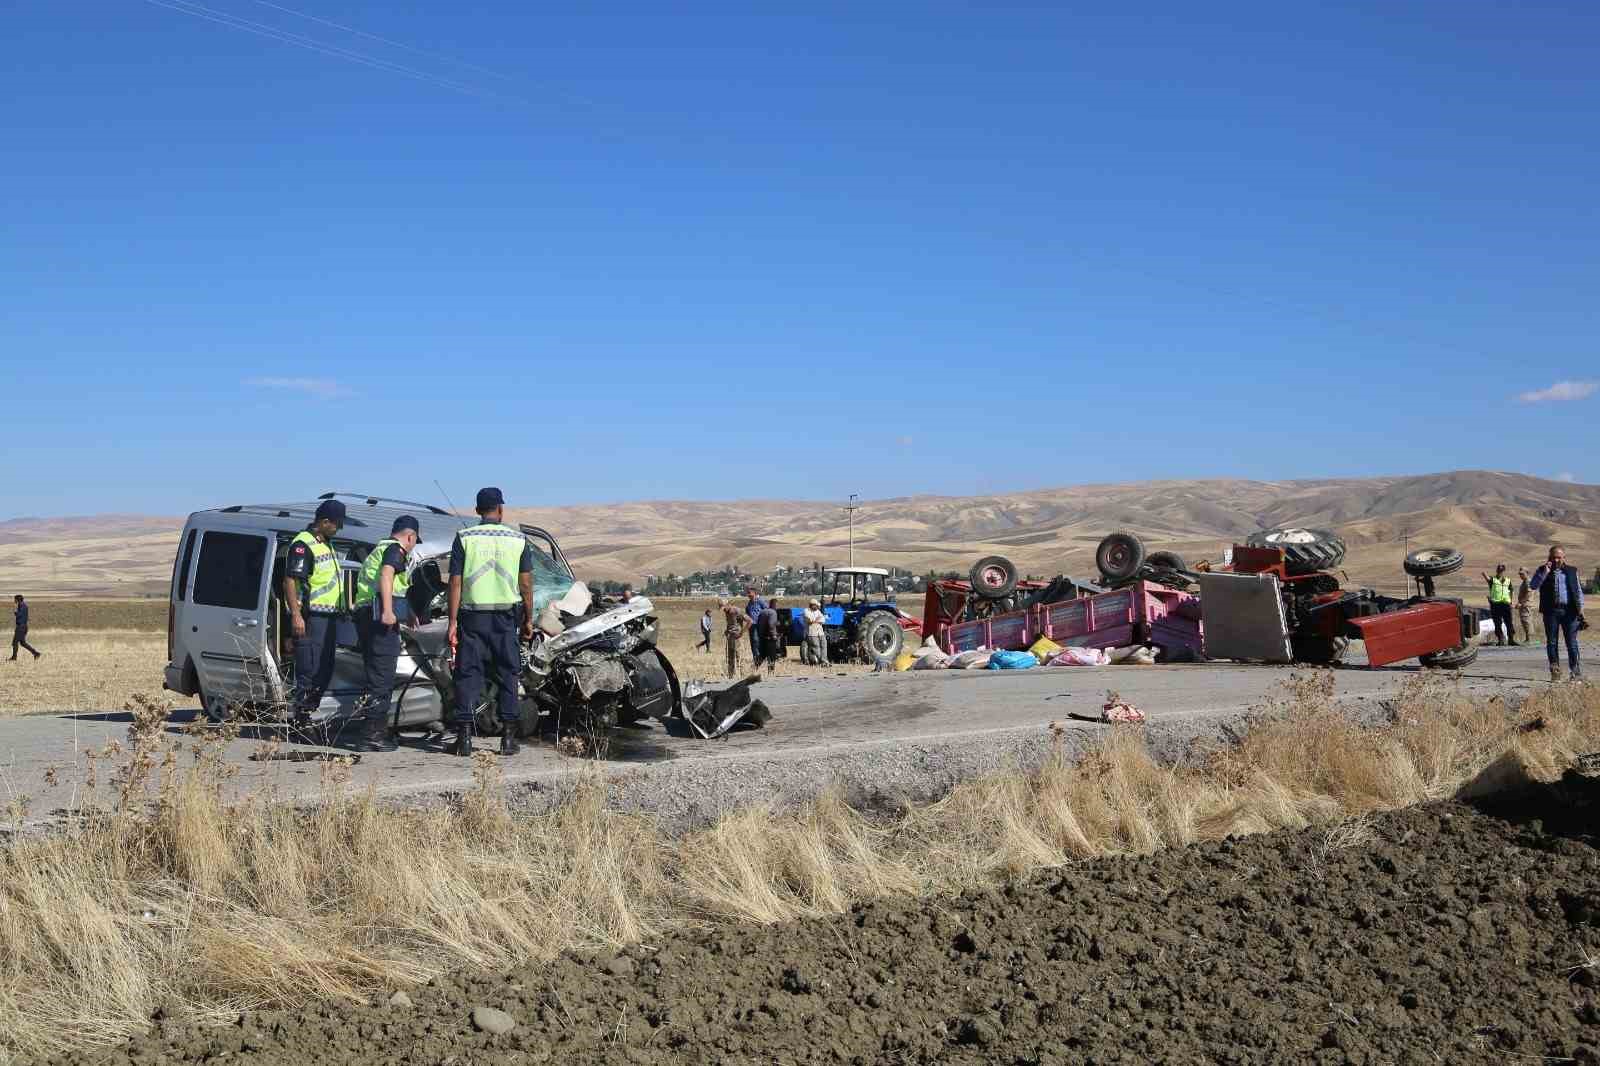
pixel 391 42
pixel 188 7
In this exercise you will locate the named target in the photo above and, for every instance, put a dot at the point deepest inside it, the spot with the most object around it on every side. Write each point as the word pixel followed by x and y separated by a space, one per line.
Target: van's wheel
pixel 1451 658
pixel 993 577
pixel 1305 551
pixel 1433 562
pixel 1318 650
pixel 880 637
pixel 1119 557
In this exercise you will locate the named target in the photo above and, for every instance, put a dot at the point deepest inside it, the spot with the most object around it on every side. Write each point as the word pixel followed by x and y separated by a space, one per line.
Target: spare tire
pixel 1451 658
pixel 993 577
pixel 1434 562
pixel 880 637
pixel 1119 557
pixel 1305 551
pixel 1167 560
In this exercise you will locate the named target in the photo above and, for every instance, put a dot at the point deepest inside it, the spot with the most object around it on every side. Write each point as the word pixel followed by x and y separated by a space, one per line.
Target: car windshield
pixel 550 581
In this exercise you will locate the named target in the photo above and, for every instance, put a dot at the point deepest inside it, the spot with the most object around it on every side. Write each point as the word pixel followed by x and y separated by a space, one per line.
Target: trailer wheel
pixel 1305 551
pixel 1318 649
pixel 1167 561
pixel 1433 562
pixel 880 637
pixel 1451 658
pixel 993 577
pixel 1119 557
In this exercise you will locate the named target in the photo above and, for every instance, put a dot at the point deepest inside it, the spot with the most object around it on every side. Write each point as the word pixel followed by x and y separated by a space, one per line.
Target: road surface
pixel 884 736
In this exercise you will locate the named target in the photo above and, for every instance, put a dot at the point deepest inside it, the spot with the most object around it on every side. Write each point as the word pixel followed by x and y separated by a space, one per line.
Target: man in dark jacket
pixel 1561 603
pixel 19 635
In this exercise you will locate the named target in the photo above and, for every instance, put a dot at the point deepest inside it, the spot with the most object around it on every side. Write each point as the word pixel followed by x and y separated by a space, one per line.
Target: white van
pixel 229 643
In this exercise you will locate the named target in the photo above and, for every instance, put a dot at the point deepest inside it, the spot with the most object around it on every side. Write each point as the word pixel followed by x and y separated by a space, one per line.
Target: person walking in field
pixel 816 635
pixel 1561 604
pixel 1524 604
pixel 1500 605
pixel 736 623
pixel 705 632
pixel 381 609
pixel 19 634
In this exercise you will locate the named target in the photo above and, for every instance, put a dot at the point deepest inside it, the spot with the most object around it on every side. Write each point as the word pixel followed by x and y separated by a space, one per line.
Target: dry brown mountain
pixel 1490 515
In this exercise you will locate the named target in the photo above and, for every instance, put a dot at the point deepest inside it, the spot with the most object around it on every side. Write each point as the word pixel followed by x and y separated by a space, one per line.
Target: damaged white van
pixel 229 643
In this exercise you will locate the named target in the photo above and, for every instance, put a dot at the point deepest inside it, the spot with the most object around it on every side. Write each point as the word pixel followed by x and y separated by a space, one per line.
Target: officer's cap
pixel 490 498
pixel 332 510
pixel 405 522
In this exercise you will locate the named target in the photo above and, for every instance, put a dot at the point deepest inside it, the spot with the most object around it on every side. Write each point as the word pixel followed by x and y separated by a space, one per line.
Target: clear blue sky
pixel 713 251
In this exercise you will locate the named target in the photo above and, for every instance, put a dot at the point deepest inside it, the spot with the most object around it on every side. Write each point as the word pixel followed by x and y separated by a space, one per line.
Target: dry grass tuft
pixel 164 894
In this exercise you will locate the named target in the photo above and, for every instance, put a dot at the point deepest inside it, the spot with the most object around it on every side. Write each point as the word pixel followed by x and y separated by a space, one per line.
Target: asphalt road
pixel 902 735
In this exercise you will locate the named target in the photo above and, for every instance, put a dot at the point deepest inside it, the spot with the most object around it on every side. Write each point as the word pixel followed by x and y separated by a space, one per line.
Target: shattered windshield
pixel 550 581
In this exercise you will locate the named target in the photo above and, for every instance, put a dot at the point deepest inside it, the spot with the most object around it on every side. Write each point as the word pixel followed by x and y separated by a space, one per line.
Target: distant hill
pixel 1489 515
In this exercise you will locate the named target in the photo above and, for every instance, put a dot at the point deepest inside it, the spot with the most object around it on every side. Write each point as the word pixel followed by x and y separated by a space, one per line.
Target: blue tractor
pixel 861 618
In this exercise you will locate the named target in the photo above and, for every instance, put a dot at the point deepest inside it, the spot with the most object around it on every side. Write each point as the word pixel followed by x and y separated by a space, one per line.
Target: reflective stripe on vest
pixel 491 556
pixel 367 580
pixel 320 588
pixel 1499 590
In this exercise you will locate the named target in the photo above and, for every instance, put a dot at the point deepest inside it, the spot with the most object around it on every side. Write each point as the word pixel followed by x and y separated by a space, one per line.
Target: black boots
pixel 462 745
pixel 509 744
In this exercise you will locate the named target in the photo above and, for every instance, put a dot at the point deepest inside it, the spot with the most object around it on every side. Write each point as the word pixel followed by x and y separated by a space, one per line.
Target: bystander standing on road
pixel 1561 604
pixel 816 635
pixel 1500 605
pixel 767 627
pixel 736 622
pixel 19 635
pixel 705 631
pixel 1524 605
pixel 753 607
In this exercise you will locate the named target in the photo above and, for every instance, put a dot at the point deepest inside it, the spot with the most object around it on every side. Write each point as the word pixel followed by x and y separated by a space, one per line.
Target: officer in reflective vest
pixel 315 598
pixel 491 581
pixel 381 609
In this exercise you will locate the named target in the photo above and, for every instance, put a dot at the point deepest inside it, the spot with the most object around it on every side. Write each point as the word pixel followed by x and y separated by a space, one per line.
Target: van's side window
pixel 229 574
pixel 183 573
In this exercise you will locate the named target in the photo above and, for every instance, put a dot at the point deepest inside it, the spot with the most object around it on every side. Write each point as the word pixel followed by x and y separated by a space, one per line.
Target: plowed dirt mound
pixel 1444 934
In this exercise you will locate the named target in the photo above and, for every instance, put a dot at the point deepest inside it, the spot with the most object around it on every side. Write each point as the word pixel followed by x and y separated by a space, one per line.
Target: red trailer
pixel 1141 613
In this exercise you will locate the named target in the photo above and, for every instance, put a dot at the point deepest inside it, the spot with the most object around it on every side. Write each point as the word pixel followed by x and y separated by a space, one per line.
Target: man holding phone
pixel 1561 603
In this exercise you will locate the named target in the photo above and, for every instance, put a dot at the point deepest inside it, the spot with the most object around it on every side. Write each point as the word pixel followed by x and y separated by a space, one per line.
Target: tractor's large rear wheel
pixel 994 577
pixel 1433 562
pixel 1305 551
pixel 880 637
pixel 1119 557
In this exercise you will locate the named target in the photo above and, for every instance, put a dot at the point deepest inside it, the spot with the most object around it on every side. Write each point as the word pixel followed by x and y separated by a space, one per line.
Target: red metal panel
pixel 1409 632
pixel 1010 631
pixel 967 636
pixel 1111 609
pixel 1060 621
pixel 1248 560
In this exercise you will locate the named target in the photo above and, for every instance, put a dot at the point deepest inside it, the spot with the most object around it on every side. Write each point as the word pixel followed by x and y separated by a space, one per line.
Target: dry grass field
pixel 165 896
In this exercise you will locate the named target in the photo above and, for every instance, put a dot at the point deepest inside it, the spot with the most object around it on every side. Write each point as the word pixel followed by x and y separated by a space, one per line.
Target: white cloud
pixel 1566 475
pixel 321 388
pixel 1561 390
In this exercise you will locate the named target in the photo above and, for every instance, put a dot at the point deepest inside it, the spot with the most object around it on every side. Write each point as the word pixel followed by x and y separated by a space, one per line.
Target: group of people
pixel 1560 606
pixel 760 623
pixel 490 605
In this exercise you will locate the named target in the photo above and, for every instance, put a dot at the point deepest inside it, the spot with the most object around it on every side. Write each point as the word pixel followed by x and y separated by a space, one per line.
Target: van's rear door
pixel 226 618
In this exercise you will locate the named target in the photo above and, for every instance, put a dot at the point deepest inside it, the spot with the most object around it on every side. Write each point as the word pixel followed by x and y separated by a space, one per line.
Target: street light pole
pixel 850 509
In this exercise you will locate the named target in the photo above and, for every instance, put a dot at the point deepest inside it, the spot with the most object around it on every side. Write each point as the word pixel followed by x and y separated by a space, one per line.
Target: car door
pixel 226 617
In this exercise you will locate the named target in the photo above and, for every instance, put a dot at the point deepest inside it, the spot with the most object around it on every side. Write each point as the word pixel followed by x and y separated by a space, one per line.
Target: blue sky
pixel 719 251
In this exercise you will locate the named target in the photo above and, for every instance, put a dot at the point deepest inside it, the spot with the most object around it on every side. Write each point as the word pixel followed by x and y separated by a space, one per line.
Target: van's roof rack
pixel 373 501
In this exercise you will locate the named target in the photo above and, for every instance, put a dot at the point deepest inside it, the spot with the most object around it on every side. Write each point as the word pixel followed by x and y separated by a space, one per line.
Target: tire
pixel 1451 658
pixel 880 637
pixel 1433 562
pixel 1305 551
pixel 1318 650
pixel 1119 557
pixel 994 577
pixel 1166 561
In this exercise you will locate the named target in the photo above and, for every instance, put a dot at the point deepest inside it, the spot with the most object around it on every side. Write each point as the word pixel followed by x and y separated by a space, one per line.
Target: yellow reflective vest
pixel 367 580
pixel 319 590
pixel 491 557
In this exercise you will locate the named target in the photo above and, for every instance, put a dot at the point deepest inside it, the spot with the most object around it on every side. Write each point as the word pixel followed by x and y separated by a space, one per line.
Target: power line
pixel 391 42
pixel 188 7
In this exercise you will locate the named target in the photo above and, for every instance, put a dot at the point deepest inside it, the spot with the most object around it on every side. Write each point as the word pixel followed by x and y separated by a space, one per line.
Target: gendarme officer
pixel 491 576
pixel 381 609
pixel 315 595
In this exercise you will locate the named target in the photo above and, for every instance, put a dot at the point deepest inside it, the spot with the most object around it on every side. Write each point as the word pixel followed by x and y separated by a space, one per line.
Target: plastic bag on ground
pixel 1134 655
pixel 976 659
pixel 1012 660
pixel 1044 649
pixel 1081 657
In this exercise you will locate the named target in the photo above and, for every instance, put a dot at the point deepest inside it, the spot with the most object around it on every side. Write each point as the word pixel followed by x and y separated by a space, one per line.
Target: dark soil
pixel 1460 935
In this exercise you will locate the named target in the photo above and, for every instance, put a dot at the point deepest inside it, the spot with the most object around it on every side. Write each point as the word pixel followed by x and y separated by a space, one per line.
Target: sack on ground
pixel 976 659
pixel 1012 660
pixel 1081 657
pixel 905 661
pixel 936 660
pixel 1134 655
pixel 1044 649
